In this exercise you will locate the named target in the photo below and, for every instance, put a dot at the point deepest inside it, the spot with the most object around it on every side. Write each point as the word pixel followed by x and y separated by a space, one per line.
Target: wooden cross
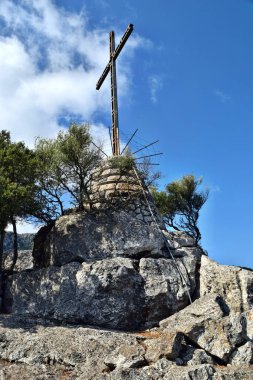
pixel 111 66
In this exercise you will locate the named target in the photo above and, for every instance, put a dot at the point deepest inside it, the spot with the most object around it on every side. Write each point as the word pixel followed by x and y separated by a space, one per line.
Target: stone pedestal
pixel 113 187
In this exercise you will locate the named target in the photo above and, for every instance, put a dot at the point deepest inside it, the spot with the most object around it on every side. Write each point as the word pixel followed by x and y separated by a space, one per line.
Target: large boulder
pixel 119 292
pixel 106 269
pixel 208 308
pixel 104 293
pixel 168 283
pixel 94 236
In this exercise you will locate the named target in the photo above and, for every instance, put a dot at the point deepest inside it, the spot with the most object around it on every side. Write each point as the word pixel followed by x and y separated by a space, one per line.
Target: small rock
pixel 203 322
pixel 242 355
pixel 190 355
pixel 167 345
pixel 209 307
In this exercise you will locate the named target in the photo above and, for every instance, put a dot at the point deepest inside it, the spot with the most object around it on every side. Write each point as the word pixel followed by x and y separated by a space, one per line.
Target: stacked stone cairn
pixel 118 188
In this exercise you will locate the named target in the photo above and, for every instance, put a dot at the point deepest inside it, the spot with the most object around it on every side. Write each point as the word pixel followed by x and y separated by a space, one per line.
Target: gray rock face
pixel 234 284
pixel 208 308
pixel 243 355
pixel 119 293
pixel 110 270
pixel 249 321
pixel 105 293
pixel 32 350
pixel 25 241
pixel 24 261
pixel 104 269
pixel 13 371
pixel 190 355
pixel 95 236
pixel 80 350
pixel 165 292
pixel 164 371
pixel 207 326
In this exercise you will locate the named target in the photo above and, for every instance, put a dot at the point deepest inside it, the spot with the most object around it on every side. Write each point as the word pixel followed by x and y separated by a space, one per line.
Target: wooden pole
pixel 114 99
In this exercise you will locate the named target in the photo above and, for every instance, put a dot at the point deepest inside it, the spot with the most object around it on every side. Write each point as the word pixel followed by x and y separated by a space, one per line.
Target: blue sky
pixel 185 78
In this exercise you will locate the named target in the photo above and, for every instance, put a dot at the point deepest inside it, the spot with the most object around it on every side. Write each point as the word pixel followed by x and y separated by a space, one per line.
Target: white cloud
pixel 155 85
pixel 222 96
pixel 50 62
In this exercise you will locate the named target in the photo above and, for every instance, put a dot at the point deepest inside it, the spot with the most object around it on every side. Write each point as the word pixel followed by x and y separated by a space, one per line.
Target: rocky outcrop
pixel 31 349
pixel 97 236
pixel 119 293
pixel 234 284
pixel 108 270
pixel 107 300
pixel 105 293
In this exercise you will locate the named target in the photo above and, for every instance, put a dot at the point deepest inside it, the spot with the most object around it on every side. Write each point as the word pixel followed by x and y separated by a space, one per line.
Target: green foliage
pixel 18 188
pixel 66 164
pixel 180 204
pixel 18 171
pixel 50 178
pixel 123 163
pixel 126 164
pixel 147 174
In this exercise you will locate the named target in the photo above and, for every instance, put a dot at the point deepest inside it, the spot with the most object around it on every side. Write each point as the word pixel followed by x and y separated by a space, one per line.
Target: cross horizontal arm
pixel 123 40
pixel 115 54
pixel 103 76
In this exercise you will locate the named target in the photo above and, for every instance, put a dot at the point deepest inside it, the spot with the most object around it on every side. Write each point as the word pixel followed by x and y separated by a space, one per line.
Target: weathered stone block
pixel 167 345
pixel 94 236
pixel 234 284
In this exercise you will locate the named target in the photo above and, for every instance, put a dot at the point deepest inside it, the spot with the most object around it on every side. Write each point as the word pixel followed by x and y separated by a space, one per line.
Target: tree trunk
pixel 2 234
pixel 197 235
pixel 15 244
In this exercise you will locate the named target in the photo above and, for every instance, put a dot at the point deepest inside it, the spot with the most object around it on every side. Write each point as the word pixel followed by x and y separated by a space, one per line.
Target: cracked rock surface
pixel 109 271
pixel 105 300
pixel 33 349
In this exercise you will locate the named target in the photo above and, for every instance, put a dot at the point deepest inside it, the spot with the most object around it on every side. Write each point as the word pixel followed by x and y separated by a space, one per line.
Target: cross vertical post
pixel 114 99
pixel 111 67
